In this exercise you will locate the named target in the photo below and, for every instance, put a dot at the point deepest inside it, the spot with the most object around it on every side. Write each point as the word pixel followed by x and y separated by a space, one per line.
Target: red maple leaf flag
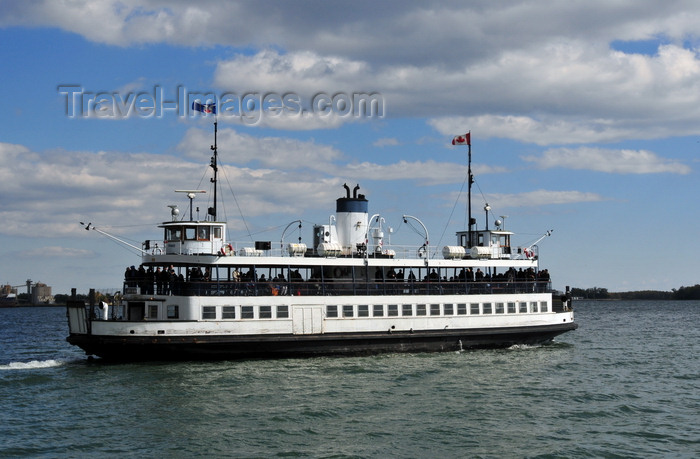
pixel 462 139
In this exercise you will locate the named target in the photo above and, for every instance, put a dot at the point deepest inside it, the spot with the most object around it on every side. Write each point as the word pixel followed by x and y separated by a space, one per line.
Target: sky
pixel 584 119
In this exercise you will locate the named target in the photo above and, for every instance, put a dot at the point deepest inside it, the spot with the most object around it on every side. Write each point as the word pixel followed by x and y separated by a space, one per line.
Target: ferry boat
pixel 197 295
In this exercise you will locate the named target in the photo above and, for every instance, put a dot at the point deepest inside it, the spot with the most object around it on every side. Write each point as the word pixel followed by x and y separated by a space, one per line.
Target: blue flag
pixel 204 108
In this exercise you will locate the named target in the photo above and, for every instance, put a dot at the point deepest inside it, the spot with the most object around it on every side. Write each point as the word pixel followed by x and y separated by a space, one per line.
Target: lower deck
pixel 139 314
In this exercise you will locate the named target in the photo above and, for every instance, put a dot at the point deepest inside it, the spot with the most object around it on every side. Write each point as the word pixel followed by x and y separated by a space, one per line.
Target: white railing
pixel 235 248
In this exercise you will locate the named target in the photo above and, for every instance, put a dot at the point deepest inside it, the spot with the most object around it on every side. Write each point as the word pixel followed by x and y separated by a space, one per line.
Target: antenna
pixel 191 195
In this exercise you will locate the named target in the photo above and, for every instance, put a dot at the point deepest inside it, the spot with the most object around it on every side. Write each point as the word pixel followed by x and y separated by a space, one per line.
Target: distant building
pixel 8 296
pixel 41 293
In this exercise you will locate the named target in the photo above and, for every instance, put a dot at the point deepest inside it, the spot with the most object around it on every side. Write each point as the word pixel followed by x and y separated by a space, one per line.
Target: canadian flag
pixel 462 139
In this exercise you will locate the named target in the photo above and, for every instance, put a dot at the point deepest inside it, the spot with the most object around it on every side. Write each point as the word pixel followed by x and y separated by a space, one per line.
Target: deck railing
pixel 233 248
pixel 333 288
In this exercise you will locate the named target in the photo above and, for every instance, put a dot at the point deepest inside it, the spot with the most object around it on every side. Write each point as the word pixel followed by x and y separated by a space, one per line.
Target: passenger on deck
pixel 150 280
pixel 159 281
pixel 434 277
pixel 141 279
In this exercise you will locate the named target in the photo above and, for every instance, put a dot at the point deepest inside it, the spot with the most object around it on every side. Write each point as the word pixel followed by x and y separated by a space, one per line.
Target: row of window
pixel 172 311
pixel 378 310
pixel 199 233
pixel 447 309
pixel 246 312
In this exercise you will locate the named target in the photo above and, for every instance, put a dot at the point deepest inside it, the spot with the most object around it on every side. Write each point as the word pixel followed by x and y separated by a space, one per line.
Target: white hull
pixel 456 322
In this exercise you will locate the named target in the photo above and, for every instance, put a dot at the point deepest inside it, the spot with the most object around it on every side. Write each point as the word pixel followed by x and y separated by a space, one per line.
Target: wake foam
pixel 32 365
pixel 524 346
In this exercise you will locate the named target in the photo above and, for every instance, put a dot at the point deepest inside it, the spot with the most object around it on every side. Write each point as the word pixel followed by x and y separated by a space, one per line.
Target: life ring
pixel 156 251
pixel 227 250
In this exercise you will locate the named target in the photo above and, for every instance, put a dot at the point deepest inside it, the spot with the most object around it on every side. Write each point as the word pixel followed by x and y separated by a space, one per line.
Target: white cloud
pixel 608 160
pixel 425 172
pixel 303 72
pixel 544 131
pixel 270 152
pixel 540 198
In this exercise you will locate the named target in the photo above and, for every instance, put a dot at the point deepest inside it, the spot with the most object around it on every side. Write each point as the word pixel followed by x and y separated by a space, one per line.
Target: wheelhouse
pixel 193 238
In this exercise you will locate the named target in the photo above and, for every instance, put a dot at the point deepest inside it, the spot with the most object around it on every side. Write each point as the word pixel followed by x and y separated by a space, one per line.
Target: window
pixel 172 234
pixel 173 311
pixel 449 309
pixel 331 311
pixel 348 310
pixel 500 308
pixel 216 232
pixel 523 307
pixel 487 308
pixel 407 310
pixel 282 312
pixel 153 311
pixel 393 310
pixel 266 312
pixel 190 233
pixel 378 310
pixel 474 308
pixel 209 312
pixel 247 312
pixel 533 306
pixel 511 308
pixel 228 312
pixel 421 310
pixel 362 310
pixel 543 306
pixel 203 233
pixel 434 309
pixel 462 309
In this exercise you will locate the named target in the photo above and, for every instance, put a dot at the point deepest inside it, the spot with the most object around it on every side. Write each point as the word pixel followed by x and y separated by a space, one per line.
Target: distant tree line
pixel 687 293
pixel 596 293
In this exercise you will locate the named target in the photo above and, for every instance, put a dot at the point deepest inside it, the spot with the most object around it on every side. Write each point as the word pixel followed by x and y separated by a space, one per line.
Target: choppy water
pixel 625 384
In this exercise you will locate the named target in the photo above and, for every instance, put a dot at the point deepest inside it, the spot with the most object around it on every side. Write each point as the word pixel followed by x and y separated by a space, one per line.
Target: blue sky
pixel 584 119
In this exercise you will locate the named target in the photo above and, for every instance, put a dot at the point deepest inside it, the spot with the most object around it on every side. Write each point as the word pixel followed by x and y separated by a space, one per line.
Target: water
pixel 625 384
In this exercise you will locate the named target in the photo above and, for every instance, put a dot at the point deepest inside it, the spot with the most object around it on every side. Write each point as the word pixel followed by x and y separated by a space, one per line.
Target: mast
pixel 469 194
pixel 212 210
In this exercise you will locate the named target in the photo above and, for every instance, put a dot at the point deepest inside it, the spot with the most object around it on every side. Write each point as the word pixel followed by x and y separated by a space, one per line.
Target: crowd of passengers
pixel 166 281
pixel 469 275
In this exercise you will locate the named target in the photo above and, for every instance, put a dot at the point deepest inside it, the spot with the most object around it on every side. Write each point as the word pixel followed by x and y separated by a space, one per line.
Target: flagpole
pixel 214 165
pixel 469 194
